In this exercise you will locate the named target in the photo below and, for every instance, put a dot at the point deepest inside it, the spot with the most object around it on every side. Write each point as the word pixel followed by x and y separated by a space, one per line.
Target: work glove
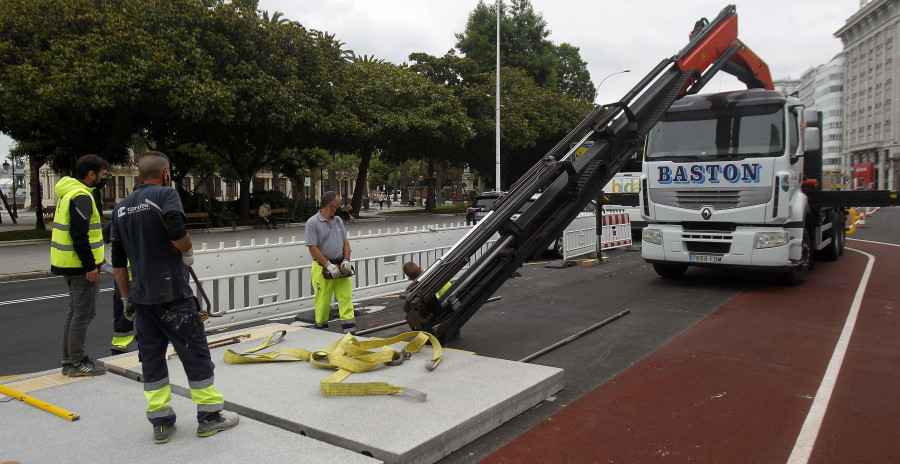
pixel 188 257
pixel 346 268
pixel 128 309
pixel 332 271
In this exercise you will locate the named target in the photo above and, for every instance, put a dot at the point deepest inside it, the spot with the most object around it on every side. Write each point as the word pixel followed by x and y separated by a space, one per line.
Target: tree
pixel 572 76
pixel 388 108
pixel 70 76
pixel 524 44
pixel 254 95
pixel 34 150
pixel 531 116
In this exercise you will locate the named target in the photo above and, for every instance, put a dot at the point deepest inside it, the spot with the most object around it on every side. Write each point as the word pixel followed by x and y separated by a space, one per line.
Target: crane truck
pixel 568 184
pixel 735 179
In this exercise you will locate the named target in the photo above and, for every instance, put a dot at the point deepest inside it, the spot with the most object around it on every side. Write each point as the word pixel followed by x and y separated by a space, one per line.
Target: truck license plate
pixel 705 258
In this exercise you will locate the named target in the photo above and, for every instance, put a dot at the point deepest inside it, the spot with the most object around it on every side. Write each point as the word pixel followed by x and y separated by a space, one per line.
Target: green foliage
pixel 71 74
pixel 572 76
pixel 380 172
pixel 388 108
pixel 27 234
pixel 221 213
pixel 524 44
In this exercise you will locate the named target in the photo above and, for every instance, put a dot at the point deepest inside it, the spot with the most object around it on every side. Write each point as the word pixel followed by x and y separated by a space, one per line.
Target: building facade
pixel 829 85
pixel 821 87
pixel 870 119
pixel 788 86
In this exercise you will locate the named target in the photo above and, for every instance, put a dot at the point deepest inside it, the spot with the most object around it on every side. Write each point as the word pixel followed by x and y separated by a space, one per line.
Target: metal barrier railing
pixel 262 281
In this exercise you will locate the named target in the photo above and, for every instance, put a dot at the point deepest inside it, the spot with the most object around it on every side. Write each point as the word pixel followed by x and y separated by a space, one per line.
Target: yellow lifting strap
pixel 348 355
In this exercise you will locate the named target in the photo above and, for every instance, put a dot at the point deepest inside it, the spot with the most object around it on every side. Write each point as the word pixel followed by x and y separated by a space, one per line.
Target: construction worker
pixel 160 251
pixel 413 271
pixel 329 246
pixel 123 324
pixel 76 253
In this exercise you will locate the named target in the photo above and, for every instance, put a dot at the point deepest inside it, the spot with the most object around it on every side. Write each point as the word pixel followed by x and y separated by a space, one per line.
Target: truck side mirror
pixel 812 140
pixel 811 117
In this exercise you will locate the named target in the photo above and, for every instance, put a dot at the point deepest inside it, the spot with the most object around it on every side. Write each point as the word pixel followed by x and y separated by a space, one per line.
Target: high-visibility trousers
pixel 342 289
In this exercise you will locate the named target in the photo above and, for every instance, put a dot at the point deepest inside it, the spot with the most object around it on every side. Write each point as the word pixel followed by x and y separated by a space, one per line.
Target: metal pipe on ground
pixel 560 343
pixel 399 323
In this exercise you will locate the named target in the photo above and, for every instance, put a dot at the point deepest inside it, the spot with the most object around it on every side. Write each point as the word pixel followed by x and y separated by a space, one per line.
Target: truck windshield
pixel 718 133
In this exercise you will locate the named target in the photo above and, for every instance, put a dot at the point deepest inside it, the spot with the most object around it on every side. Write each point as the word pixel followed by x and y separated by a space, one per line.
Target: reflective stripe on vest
pixel 62 250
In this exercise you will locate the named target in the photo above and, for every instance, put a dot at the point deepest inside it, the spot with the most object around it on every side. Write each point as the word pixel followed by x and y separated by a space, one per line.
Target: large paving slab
pixel 113 428
pixel 468 395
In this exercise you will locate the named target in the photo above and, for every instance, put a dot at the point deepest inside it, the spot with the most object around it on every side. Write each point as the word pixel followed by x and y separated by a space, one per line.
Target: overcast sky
pixel 790 35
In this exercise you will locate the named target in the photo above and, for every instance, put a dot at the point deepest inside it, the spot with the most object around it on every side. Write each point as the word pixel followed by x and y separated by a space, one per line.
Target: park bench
pixel 200 220
pixel 279 214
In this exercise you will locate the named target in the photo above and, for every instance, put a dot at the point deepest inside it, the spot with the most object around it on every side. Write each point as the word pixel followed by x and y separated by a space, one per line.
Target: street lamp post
pixel 599 212
pixel 613 74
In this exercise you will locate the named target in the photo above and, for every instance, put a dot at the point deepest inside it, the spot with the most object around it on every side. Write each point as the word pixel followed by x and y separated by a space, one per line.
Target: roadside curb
pixel 25 276
pixel 15 243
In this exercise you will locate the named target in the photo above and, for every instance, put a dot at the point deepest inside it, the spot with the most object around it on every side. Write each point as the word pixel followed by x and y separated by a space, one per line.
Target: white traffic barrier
pixel 249 283
pixel 580 237
pixel 270 280
pixel 616 231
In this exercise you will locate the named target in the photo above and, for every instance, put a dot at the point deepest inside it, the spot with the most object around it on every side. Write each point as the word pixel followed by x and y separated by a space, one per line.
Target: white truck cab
pixel 722 186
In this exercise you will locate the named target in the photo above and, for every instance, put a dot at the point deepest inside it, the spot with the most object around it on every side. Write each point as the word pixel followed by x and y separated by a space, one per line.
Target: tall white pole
pixel 497 175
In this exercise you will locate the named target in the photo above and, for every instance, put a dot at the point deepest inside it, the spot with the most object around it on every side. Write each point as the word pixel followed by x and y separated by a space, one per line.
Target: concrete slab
pixel 113 428
pixel 468 395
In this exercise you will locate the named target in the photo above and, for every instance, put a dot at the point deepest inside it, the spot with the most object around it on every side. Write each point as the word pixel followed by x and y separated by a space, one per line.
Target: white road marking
pixel 813 423
pixel 870 241
pixel 46 297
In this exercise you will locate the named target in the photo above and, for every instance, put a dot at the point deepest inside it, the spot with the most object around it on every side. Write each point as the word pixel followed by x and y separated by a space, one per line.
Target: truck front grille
pixel 708 247
pixel 718 199
pixel 707 242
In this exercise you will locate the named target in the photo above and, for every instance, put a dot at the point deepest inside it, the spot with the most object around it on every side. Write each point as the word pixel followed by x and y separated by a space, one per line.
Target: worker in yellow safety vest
pixel 76 253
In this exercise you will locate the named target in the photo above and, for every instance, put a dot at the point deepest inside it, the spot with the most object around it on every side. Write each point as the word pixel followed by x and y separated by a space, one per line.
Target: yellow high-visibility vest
pixel 62 249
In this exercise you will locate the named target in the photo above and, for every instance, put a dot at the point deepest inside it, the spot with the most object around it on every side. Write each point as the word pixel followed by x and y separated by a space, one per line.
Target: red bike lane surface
pixel 734 388
pixel 862 422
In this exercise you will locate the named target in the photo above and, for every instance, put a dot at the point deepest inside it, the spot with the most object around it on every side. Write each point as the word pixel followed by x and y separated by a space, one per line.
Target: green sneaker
pixel 163 433
pixel 224 421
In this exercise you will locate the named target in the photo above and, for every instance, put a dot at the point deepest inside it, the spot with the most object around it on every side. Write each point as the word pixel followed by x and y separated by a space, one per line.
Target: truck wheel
pixel 838 235
pixel 841 233
pixel 670 271
pixel 833 251
pixel 797 274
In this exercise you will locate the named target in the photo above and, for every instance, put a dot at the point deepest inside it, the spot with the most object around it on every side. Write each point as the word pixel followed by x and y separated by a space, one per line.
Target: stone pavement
pixel 284 416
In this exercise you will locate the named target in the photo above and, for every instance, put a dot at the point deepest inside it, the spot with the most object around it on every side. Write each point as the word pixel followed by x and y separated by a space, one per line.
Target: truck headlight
pixel 771 239
pixel 653 236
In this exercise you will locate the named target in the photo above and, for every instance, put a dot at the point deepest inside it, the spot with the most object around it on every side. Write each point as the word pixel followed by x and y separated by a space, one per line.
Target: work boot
pixel 224 421
pixel 163 433
pixel 115 350
pixel 86 368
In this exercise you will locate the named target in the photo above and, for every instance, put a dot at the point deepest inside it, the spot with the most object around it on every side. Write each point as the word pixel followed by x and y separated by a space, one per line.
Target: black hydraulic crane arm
pixel 615 130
